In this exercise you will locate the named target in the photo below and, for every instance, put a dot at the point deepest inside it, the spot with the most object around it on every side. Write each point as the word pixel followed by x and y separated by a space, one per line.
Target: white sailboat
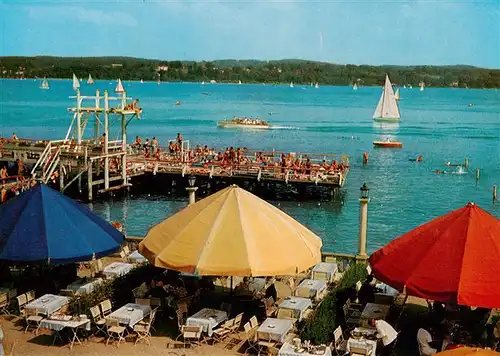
pixel 291 84
pixel 396 96
pixel 142 81
pixel 90 80
pixel 203 83
pixel 119 87
pixel 422 86
pixel 355 86
pixel 312 84
pixel 387 107
pixel 239 82
pixel 45 84
pixel 317 85
pixel 76 82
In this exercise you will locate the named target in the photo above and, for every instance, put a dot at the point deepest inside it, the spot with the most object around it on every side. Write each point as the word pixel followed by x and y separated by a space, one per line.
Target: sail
pixel 317 85
pixel 387 107
pixel 119 87
pixel 396 96
pixel 239 81
pixel 422 85
pixel 90 80
pixel 291 84
pixel 76 82
pixel 355 86
pixel 45 84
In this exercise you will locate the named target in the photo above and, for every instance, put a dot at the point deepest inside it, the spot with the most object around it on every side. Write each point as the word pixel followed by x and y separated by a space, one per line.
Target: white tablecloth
pixel 325 267
pixel 387 290
pixel 312 286
pixel 276 328
pixel 297 304
pixel 130 313
pixel 58 325
pixel 48 304
pixel 208 319
pixel 81 286
pixel 288 350
pixel 136 257
pixel 362 342
pixel 374 311
pixel 117 269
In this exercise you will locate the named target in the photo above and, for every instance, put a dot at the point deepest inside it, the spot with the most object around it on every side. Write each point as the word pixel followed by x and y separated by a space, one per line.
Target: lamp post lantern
pixel 192 189
pixel 364 198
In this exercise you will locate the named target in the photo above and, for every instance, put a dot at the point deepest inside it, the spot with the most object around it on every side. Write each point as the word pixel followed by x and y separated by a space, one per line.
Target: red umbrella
pixel 453 258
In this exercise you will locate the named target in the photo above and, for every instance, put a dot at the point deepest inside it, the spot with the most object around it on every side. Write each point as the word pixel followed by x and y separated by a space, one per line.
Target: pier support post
pixel 362 256
pixel 192 190
pixel 89 181
pixel 477 175
pixel 494 193
pixel 124 141
pixel 466 163
pixel 61 177
pixel 106 139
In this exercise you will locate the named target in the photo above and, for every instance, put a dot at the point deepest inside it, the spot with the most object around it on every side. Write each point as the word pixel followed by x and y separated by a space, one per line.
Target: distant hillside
pixel 248 71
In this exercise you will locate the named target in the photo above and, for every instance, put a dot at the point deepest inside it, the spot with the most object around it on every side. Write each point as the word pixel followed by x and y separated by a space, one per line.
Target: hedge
pixel 320 326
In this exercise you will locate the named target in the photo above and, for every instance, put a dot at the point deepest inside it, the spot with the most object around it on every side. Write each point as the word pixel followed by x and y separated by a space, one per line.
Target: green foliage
pixel 248 71
pixel 118 290
pixel 320 326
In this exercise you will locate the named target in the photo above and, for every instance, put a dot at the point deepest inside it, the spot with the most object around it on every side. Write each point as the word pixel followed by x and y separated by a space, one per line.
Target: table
pixel 325 267
pixel 117 269
pixel 59 325
pixel 130 314
pixel 311 287
pixel 297 304
pixel 84 286
pixel 288 350
pixel 275 328
pixel 361 343
pixel 373 311
pixel 386 294
pixel 48 304
pixel 136 257
pixel 207 318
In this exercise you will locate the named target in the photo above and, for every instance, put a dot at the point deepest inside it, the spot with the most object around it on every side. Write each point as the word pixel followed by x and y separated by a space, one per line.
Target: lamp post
pixel 364 198
pixel 191 189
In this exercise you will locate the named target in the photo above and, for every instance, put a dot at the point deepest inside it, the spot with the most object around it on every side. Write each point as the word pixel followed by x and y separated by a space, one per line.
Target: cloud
pixel 80 14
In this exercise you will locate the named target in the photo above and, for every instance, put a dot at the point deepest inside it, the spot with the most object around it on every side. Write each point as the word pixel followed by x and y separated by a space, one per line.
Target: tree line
pixel 247 71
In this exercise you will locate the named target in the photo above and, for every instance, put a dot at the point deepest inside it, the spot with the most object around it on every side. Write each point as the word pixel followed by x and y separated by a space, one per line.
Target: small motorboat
pixel 238 122
pixel 388 144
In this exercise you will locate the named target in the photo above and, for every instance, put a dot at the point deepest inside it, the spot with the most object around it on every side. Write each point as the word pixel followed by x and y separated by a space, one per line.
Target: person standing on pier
pixel 154 144
pixel 4 174
pixel 20 169
pixel 14 137
pixel 180 139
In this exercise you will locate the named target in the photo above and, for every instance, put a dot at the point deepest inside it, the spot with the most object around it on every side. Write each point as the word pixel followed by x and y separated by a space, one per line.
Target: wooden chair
pixel 143 328
pixel 286 314
pixel 339 344
pixel 191 334
pixel 302 292
pixel 123 256
pixel 265 342
pixel 126 250
pixel 143 301
pixel 98 320
pixel 271 308
pixel 322 276
pixel 30 296
pixel 32 319
pixel 290 282
pixel 251 338
pixel 106 307
pixel 4 303
pixel 115 331
pixel 221 333
pixel 67 292
pixel 352 319
pixel 330 259
pixel 21 302
pixel 253 322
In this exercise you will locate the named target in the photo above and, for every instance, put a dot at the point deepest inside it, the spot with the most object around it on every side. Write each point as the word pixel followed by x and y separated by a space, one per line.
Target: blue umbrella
pixel 43 225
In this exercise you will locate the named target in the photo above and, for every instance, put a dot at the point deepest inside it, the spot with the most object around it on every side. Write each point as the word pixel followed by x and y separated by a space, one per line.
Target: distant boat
pixel 158 82
pixel 404 86
pixel 355 86
pixel 119 87
pixel 312 84
pixel 213 81
pixel 90 80
pixel 239 82
pixel 203 83
pixel 142 81
pixel 396 96
pixel 387 107
pixel 45 84
pixel 422 86
pixel 291 84
pixel 388 144
pixel 76 82
pixel 317 85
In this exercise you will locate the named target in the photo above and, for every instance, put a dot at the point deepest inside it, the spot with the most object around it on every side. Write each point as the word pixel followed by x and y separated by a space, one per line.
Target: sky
pixel 438 32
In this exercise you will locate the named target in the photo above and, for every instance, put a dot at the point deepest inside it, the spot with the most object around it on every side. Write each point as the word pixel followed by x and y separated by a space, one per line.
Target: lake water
pixel 436 123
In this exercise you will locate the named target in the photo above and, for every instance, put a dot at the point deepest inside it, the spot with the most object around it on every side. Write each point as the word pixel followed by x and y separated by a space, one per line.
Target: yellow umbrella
pixel 468 351
pixel 232 233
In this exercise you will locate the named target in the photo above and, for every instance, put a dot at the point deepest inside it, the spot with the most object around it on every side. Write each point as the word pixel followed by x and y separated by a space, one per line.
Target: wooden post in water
pixel 124 140
pixel 106 138
pixel 61 177
pixel 494 193
pixel 89 179
pixel 466 163
pixel 477 175
pixel 78 116
pixel 96 123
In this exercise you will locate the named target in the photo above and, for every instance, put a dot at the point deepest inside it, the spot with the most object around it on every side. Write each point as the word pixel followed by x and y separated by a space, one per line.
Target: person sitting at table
pixel 424 339
pixel 366 293
pixel 243 286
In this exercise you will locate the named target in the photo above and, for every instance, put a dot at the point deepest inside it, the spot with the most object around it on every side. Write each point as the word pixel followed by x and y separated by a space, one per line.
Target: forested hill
pixel 248 71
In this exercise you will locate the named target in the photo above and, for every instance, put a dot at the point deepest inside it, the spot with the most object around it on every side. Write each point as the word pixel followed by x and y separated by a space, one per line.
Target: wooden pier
pixel 96 164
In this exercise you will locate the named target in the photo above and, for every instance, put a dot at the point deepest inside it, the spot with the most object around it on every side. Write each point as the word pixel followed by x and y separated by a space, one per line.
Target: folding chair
pixel 4 303
pixel 21 301
pixel 106 307
pixel 286 314
pixel 352 319
pixel 143 330
pixel 115 331
pixel 330 259
pixel 98 320
pixel 222 332
pixel 253 322
pixel 126 250
pixel 265 342
pixel 30 296
pixel 123 256
pixel 271 308
pixel 339 343
pixel 32 319
pixel 251 338
pixel 143 301
pixel 191 334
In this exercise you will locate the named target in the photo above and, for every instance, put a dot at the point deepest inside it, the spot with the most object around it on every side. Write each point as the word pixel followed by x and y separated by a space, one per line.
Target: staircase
pixel 48 162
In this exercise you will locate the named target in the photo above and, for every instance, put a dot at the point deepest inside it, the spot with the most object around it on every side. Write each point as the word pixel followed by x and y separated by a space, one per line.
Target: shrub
pixel 320 326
